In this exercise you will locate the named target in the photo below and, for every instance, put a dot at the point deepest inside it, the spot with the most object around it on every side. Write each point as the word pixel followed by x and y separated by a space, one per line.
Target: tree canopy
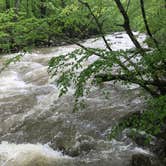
pixel 29 23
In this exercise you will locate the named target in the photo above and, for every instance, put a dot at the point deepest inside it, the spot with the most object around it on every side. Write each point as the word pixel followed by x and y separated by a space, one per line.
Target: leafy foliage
pixel 151 120
pixel 72 70
pixel 148 71
pixel 37 23
pixel 11 60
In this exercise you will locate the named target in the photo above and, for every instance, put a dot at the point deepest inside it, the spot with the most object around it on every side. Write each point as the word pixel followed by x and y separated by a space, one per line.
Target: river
pixel 39 129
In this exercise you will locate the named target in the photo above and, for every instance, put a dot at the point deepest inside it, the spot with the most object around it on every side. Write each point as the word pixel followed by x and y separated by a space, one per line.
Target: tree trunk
pixel 16 6
pixel 63 4
pixel 42 9
pixel 27 7
pixel 7 4
pixel 127 27
pixel 146 23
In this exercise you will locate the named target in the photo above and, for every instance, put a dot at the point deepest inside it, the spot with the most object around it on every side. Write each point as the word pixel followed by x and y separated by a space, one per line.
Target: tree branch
pixel 127 27
pixel 146 24
pixel 128 4
pixel 71 41
pixel 97 23
pixel 132 79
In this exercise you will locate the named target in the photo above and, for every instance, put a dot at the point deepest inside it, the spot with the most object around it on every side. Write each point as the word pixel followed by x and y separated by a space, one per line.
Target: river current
pixel 39 129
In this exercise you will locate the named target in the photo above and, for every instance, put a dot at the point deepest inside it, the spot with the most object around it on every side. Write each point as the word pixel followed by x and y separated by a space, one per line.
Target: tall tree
pixel 27 7
pixel 7 2
pixel 16 5
pixel 43 9
pixel 63 4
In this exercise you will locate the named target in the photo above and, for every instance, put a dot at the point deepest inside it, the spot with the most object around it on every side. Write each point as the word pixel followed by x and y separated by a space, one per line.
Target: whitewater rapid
pixel 37 127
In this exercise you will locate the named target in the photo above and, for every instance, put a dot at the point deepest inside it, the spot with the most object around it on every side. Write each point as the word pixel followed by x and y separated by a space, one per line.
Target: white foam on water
pixel 30 75
pixel 117 41
pixel 29 154
pixel 140 150
pixel 11 80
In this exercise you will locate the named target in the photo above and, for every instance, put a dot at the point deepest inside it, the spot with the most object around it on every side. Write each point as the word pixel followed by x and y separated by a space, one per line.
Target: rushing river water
pixel 39 129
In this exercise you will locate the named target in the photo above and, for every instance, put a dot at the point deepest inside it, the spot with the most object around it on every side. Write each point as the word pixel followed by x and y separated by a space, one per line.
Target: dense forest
pixel 27 24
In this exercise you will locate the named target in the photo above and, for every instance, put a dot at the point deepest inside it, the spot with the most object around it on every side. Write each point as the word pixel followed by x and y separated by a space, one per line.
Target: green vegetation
pixel 30 23
pixel 149 72
pixel 151 121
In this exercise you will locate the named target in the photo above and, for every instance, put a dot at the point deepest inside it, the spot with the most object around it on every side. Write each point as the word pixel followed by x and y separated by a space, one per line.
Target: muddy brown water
pixel 37 127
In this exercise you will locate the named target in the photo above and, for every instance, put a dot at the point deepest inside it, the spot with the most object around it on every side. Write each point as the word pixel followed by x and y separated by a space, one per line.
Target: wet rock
pixel 160 149
pixel 59 142
pixel 84 144
pixel 120 37
pixel 144 160
pixel 141 138
pixel 160 145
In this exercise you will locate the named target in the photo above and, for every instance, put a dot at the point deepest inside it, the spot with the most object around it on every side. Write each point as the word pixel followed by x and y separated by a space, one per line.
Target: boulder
pixel 144 160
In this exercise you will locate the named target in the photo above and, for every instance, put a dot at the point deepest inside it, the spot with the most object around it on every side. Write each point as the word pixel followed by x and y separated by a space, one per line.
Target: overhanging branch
pixel 97 23
pixel 127 26
pixel 127 78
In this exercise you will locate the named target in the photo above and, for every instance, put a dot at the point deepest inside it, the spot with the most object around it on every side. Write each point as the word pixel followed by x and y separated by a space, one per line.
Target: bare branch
pixel 128 4
pixel 146 24
pixel 97 23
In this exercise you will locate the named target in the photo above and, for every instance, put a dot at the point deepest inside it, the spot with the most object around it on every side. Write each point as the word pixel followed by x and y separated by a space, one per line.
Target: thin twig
pixel 146 24
pixel 97 23
pixel 128 4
